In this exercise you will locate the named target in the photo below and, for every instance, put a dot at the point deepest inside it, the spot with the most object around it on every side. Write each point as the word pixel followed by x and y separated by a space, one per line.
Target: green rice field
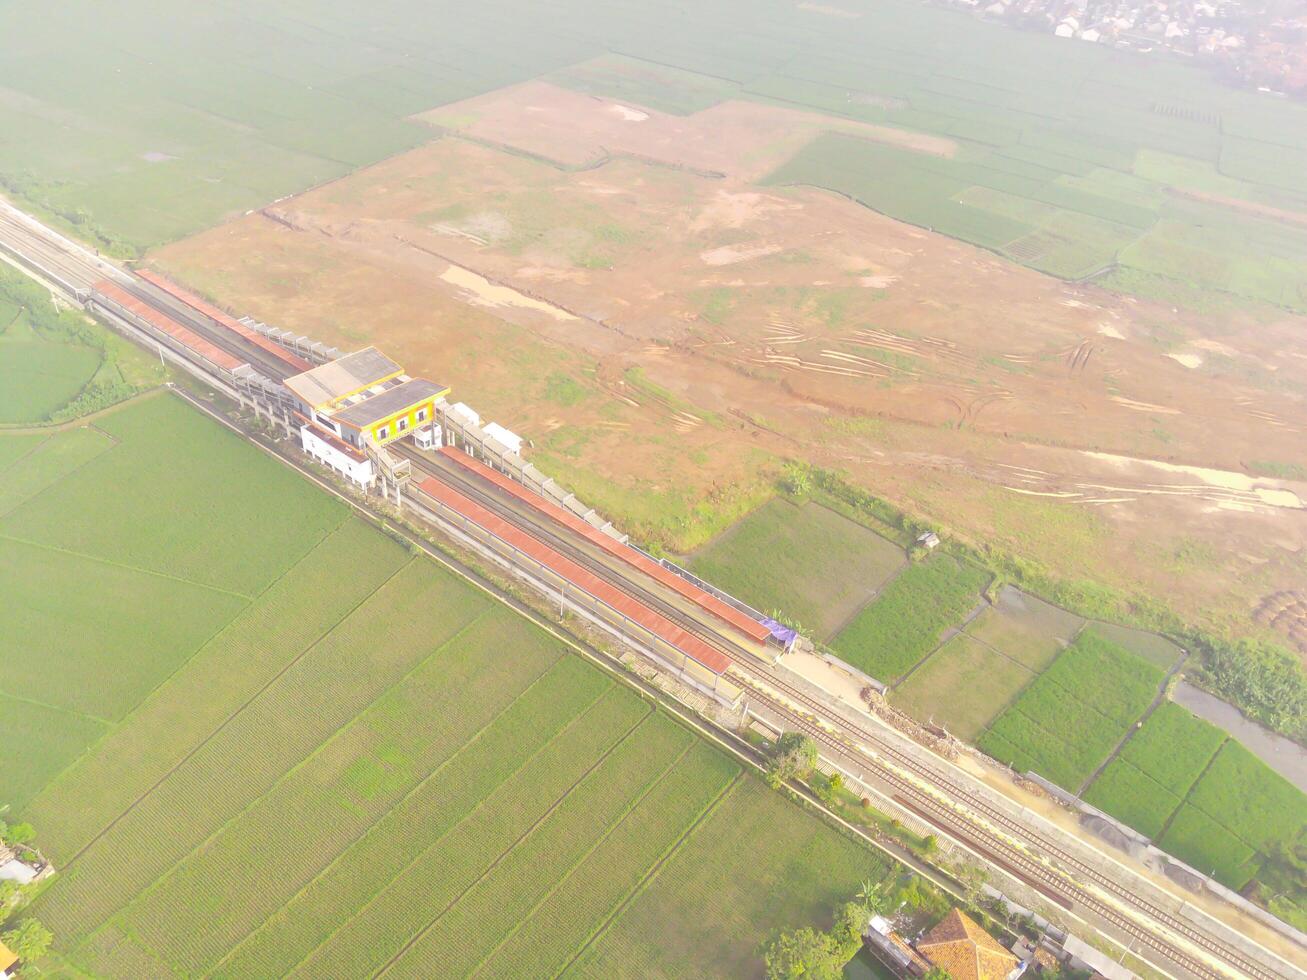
pixel 804 562
pixel 39 376
pixel 297 750
pixel 1065 724
pixel 905 622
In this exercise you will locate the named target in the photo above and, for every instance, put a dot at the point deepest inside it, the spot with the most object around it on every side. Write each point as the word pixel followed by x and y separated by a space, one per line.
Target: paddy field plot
pixel 1065 724
pixel 804 562
pixel 963 685
pixel 364 763
pixel 973 677
pixel 39 375
pixel 907 620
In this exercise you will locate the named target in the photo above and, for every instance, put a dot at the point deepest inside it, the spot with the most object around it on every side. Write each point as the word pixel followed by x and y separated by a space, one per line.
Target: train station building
pixel 359 402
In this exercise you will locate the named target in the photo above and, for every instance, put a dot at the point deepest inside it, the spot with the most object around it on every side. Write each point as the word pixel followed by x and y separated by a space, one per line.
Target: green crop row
pixel 282 840
pixel 558 928
pixel 223 675
pixel 1133 798
pixel 904 623
pixel 437 875
pixel 510 884
pixel 1069 720
pixel 508 744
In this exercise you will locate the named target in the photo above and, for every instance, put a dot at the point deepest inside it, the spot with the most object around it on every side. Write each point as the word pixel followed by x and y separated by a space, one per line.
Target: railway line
pixel 1058 885
pixel 936 795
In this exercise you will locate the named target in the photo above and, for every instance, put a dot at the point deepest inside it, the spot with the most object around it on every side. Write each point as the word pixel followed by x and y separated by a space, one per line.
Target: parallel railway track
pixel 1057 885
pixel 1065 885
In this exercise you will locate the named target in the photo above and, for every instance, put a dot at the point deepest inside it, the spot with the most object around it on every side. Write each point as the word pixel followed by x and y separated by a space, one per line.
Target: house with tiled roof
pixel 963 950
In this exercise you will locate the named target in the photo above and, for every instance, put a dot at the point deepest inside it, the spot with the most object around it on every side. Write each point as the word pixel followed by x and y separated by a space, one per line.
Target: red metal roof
pixel 231 323
pixel 184 335
pixel 565 568
pixel 746 624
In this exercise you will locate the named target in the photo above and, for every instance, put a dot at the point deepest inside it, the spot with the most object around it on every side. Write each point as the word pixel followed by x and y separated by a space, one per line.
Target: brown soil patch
pixel 665 337
pixel 740 139
pixel 1287 613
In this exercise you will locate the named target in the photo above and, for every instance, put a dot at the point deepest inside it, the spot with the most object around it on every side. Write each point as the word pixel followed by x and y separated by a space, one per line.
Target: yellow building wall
pixel 410 414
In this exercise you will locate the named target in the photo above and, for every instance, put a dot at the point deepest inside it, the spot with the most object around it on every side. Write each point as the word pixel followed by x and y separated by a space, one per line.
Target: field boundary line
pixel 46 437
pixel 611 829
pixel 318 749
pixel 81 421
pixel 226 721
pixel 1184 800
pixel 200 648
pixel 503 855
pixel 651 873
pixel 131 568
pixel 154 691
pixel 36 493
pixel 522 764
pixel 416 788
pixel 57 707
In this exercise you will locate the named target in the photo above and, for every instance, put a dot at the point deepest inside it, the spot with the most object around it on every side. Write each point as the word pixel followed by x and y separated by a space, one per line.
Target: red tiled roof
pixel 966 951
pixel 569 570
pixel 183 335
pixel 747 625
pixel 294 361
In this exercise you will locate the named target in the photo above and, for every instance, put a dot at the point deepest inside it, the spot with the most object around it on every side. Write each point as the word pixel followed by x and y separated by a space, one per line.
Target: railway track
pixel 1061 885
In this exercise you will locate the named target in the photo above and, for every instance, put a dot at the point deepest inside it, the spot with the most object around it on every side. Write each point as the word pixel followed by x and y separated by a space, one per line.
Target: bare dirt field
pixel 665 332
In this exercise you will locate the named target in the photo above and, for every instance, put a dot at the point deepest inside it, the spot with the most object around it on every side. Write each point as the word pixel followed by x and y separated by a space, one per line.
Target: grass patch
pixel 904 623
pixel 1202 843
pixel 37 741
pixel 40 376
pixel 806 562
pixel 963 685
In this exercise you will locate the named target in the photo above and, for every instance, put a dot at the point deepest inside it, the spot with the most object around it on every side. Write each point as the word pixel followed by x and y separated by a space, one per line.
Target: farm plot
pixel 904 623
pixel 1068 721
pixel 52 458
pixel 1025 628
pixel 963 685
pixel 807 563
pixel 720 892
pixel 36 742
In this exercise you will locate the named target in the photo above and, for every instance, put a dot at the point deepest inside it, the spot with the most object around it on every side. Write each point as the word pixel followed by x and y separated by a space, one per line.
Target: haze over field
pixel 963 344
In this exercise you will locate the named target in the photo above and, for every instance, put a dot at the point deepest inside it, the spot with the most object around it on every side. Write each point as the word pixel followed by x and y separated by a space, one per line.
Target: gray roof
pixel 341 377
pixel 388 402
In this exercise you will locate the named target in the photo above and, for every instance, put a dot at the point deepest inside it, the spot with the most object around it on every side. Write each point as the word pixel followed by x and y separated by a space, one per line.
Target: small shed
pixel 928 540
pixel 8 960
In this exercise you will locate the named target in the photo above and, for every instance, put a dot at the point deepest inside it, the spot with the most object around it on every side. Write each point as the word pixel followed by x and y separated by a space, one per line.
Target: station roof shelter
pixel 365 397
pixel 326 385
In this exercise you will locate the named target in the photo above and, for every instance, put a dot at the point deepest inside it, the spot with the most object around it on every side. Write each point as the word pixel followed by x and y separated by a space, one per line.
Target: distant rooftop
pixel 330 382
pixel 389 402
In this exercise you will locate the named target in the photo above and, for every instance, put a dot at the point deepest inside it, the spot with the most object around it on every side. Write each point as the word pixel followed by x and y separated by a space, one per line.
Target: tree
pixel 935 973
pixel 20 833
pixel 29 942
pixel 793 757
pixel 804 954
pixel 872 897
pixel 850 923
